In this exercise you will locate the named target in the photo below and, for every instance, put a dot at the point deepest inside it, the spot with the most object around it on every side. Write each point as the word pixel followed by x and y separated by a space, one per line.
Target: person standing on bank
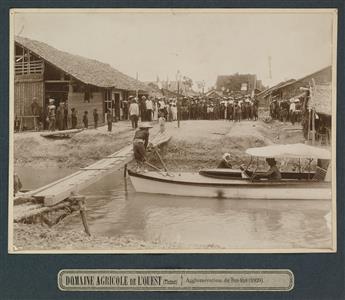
pixel 51 115
pixel 142 108
pixel 149 109
pixel 109 120
pixel 65 116
pixel 36 112
pixel 74 118
pixel 134 113
pixel 140 143
pixel 86 119
pixel 95 118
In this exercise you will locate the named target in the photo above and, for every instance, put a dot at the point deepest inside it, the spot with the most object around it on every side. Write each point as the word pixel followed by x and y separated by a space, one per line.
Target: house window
pixel 87 94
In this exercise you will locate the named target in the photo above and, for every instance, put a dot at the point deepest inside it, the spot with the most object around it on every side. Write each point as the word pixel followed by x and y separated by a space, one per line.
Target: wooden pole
pixel 313 126
pixel 178 104
pixel 309 120
pixel 161 160
pixel 136 91
pixel 82 209
pixel 152 166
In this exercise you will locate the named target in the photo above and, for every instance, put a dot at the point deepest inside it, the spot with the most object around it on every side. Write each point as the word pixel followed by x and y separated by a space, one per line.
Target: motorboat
pixel 239 184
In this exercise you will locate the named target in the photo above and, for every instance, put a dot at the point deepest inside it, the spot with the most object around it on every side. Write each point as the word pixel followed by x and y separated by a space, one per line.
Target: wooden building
pixel 245 84
pixel 43 72
pixel 291 88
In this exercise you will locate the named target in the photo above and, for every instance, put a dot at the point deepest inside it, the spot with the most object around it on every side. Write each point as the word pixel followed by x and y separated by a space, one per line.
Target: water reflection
pixel 115 209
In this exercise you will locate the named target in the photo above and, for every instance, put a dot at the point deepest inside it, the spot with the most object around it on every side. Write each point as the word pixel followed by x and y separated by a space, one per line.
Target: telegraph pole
pixel 178 103
pixel 137 92
pixel 178 99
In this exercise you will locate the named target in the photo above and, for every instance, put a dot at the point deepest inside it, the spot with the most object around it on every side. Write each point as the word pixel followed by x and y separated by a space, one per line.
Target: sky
pixel 200 45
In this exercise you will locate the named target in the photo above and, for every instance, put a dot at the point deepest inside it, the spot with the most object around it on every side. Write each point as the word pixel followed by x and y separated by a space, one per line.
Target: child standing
pixel 74 118
pixel 86 120
pixel 95 117
pixel 161 122
pixel 109 120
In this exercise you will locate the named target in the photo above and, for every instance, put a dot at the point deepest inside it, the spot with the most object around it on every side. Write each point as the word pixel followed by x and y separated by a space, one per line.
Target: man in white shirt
pixel 292 111
pixel 133 112
pixel 149 109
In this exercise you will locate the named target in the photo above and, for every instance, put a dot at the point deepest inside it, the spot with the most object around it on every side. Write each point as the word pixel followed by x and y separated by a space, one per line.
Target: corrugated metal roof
pixel 87 70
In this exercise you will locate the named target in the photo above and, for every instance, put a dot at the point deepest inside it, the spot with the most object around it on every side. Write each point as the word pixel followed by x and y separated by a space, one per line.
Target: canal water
pixel 115 209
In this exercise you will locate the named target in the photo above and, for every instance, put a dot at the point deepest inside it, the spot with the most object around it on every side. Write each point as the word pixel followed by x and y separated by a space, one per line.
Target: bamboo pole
pixel 161 160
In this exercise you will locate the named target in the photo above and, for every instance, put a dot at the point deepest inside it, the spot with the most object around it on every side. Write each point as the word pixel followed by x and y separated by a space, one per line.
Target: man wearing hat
pixel 225 162
pixel 140 142
pixel 51 112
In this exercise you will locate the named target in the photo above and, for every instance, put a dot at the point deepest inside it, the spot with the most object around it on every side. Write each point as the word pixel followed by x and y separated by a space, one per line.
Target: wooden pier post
pixel 82 209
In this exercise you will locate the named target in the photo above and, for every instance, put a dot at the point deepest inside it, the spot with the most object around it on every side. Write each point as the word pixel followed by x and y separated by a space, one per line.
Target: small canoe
pixel 234 186
pixel 61 134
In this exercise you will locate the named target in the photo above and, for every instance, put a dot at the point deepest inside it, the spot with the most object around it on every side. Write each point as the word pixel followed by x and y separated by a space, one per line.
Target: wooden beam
pixel 56 81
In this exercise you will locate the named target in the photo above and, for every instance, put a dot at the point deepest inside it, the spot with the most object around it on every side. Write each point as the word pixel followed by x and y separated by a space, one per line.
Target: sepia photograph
pixel 172 130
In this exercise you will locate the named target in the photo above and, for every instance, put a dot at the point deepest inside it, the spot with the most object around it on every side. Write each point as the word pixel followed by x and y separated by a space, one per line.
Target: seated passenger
pixel 272 174
pixel 225 162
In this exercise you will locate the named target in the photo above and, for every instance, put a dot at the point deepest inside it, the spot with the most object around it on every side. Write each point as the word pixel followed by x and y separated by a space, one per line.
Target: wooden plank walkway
pixel 61 189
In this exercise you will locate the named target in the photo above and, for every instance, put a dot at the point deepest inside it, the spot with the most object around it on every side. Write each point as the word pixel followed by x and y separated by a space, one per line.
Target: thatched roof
pixel 86 70
pixel 321 99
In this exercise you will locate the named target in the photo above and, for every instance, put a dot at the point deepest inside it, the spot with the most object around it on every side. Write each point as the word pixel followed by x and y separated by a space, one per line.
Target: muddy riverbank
pixel 82 149
pixel 201 144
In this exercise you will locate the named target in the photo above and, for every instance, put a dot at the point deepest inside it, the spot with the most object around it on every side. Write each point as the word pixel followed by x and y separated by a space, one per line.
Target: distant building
pixel 246 84
pixel 172 88
pixel 43 72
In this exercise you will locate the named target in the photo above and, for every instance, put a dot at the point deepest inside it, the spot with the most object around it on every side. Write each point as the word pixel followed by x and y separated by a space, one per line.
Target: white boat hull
pixel 195 185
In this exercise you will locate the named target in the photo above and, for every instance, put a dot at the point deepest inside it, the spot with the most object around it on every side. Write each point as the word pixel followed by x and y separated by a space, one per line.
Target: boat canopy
pixel 290 150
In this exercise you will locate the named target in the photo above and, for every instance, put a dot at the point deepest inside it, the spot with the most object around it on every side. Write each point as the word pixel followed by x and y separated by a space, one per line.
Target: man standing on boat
pixel 140 143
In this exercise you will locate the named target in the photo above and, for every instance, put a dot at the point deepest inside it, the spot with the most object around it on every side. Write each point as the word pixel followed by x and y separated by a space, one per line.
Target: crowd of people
pixel 146 109
pixel 286 110
pixel 190 108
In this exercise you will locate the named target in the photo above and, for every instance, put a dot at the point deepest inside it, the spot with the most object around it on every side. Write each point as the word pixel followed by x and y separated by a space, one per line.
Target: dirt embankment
pixel 199 144
pixel 82 149
pixel 195 145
